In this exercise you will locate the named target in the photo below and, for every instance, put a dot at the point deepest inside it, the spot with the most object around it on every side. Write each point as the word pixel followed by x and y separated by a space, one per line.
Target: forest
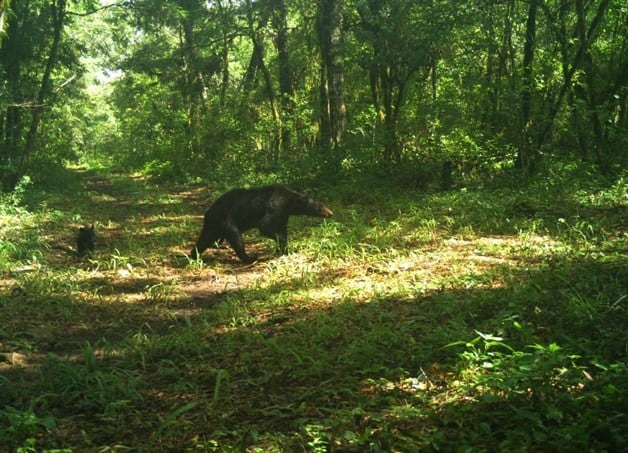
pixel 459 280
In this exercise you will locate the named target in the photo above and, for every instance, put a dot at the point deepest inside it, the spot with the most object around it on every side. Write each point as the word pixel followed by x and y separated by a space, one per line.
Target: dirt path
pixel 139 277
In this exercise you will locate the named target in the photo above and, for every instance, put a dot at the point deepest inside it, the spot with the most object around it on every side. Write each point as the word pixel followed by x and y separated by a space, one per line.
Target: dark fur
pixel 86 240
pixel 266 208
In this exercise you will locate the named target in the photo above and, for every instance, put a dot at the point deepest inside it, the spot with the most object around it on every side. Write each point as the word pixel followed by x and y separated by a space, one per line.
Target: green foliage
pixel 539 397
pixel 177 91
pixel 42 90
pixel 90 386
pixel 10 203
pixel 22 425
pixel 18 240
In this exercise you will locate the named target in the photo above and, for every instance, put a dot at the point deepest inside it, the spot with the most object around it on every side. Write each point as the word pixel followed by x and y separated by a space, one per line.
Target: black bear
pixel 266 208
pixel 85 240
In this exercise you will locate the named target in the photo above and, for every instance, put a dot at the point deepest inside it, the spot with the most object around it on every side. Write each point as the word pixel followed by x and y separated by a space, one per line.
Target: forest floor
pixel 472 318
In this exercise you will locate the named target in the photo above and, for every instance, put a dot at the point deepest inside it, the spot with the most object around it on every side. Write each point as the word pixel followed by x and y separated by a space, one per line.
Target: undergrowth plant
pixel 540 395
pixel 90 385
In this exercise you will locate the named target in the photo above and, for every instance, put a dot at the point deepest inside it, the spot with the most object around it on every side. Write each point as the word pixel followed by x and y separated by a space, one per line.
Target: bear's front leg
pixel 234 238
pixel 276 229
pixel 207 237
pixel 282 242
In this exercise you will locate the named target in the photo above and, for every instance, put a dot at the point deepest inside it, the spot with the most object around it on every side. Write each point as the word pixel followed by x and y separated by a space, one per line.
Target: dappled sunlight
pixel 323 227
pixel 365 328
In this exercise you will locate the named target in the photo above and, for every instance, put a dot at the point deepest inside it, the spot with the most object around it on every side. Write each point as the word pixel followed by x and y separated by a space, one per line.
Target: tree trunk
pixel 570 68
pixel 280 23
pixel 225 75
pixel 331 42
pixel 57 9
pixel 4 7
pixel 499 51
pixel 599 142
pixel 193 90
pixel 12 125
pixel 257 62
pixel 524 154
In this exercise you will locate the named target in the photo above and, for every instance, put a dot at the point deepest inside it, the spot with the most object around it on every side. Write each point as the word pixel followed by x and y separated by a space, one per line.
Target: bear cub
pixel 86 240
pixel 265 208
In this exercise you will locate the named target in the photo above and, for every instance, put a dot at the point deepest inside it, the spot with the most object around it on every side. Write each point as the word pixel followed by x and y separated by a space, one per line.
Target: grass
pixel 479 319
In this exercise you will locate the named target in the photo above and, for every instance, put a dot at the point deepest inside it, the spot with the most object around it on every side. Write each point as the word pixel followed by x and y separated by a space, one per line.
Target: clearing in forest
pixel 407 321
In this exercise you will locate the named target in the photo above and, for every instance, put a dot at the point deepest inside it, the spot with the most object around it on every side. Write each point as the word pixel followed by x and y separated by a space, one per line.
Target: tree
pixel 405 38
pixel 4 8
pixel 174 63
pixel 497 24
pixel 523 155
pixel 284 71
pixel 35 34
pixel 58 13
pixel 256 34
pixel 575 27
pixel 333 110
pixel 427 80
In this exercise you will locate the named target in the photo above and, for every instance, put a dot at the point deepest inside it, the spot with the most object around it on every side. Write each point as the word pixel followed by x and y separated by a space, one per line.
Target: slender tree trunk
pixel 257 62
pixel 524 156
pixel 58 12
pixel 225 75
pixel 331 42
pixel 250 75
pixel 570 68
pixel 390 124
pixel 490 98
pixel 4 6
pixel 280 22
pixel 224 86
pixel 193 90
pixel 599 143
pixel 498 58
pixel 12 127
pixel 325 113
